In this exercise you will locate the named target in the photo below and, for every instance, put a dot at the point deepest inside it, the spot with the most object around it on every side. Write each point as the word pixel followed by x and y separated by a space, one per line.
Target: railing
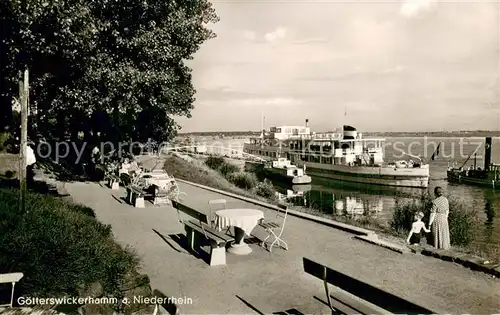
pixel 217 150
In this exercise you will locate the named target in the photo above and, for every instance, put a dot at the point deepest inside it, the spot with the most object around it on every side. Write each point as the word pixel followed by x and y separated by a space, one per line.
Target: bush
pixel 404 212
pixel 461 220
pixel 88 212
pixel 462 223
pixel 7 142
pixel 59 247
pixel 227 169
pixel 197 172
pixel 219 164
pixel 4 138
pixel 243 180
pixel 9 164
pixel 265 189
pixel 215 162
pixel 10 174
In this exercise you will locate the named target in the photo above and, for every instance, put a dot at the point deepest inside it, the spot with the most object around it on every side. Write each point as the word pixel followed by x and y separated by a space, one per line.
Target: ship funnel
pixel 487 154
pixel 307 122
pixel 349 132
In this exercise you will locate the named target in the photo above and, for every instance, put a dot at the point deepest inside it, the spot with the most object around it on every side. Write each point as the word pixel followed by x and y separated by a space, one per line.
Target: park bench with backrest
pixel 199 232
pixel 113 181
pixel 136 195
pixel 352 296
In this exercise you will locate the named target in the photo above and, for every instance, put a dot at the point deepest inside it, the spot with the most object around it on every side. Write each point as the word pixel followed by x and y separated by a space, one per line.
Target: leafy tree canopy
pixel 118 62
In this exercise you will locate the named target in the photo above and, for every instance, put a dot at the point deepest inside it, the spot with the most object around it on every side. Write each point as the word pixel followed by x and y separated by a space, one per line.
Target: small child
pixel 416 228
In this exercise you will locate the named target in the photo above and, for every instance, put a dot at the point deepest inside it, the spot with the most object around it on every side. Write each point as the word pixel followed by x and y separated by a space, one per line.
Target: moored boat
pixel 488 176
pixel 282 169
pixel 344 156
pixel 287 192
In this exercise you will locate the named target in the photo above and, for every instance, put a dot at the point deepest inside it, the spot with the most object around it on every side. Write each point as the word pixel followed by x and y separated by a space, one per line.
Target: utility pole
pixel 23 100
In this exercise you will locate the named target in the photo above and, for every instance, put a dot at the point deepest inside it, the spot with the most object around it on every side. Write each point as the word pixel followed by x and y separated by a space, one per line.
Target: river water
pixel 340 198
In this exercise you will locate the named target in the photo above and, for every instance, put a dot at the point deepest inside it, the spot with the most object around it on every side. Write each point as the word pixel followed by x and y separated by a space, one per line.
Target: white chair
pixel 176 191
pixel 12 278
pixel 276 229
pixel 214 205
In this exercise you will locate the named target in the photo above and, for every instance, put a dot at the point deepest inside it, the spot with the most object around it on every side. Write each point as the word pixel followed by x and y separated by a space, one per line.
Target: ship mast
pixel 262 123
pixel 345 119
pixel 345 116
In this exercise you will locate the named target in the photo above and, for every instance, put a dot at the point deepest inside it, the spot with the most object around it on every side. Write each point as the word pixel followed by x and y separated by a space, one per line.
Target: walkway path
pixel 276 282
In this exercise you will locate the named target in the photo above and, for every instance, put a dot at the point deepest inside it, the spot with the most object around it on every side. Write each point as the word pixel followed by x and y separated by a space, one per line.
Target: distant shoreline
pixel 445 134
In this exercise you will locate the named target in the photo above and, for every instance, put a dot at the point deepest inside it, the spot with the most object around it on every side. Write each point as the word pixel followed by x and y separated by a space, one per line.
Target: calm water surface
pixel 346 199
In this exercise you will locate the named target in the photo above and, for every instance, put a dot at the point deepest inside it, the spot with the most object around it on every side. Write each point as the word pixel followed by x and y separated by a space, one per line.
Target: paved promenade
pixel 276 282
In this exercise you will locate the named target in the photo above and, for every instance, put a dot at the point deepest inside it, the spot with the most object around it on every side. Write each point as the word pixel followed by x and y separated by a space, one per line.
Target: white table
pixel 243 221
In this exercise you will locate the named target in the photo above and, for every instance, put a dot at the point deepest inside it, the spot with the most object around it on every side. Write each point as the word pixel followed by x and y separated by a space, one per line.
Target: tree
pixel 119 58
pixel 153 123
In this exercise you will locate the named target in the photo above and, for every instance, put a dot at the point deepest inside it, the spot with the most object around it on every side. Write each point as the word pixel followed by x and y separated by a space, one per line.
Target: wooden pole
pixel 23 99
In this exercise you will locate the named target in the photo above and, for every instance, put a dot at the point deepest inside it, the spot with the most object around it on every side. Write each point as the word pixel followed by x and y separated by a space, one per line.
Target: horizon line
pixel 436 131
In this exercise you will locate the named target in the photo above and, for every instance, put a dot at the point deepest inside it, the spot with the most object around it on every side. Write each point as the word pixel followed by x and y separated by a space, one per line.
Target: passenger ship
pixel 344 156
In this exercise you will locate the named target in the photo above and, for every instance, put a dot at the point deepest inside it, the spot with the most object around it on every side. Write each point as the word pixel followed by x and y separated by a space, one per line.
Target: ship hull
pixel 386 176
pixel 277 174
pixel 457 177
pixel 253 166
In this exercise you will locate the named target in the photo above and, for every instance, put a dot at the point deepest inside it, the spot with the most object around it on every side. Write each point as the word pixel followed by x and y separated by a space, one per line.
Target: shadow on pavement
pixel 181 240
pixel 166 241
pixel 119 199
pixel 249 305
pixel 292 311
pixel 170 307
pixel 334 312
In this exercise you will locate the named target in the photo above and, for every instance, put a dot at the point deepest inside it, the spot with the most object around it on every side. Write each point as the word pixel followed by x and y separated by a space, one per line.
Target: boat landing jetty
pixel 266 282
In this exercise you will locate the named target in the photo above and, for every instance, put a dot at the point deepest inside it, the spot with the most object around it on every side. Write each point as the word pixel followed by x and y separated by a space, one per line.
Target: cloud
pixel 277 34
pixel 311 40
pixel 448 55
pixel 249 35
pixel 224 93
pixel 413 8
pixel 228 95
pixel 256 101
pixel 397 69
pixel 280 101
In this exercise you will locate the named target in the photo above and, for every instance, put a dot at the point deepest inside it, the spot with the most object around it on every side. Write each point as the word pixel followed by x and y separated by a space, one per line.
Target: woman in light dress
pixel 438 221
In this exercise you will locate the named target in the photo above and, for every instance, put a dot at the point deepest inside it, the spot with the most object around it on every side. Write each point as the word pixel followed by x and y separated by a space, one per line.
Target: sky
pixel 400 65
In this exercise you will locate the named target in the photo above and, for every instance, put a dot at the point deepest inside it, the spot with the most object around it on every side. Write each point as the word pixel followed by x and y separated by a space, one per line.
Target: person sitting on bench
pixel 125 167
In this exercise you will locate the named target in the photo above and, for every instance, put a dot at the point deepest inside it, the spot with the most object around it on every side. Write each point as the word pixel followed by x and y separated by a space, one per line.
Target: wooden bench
pixel 12 278
pixel 199 232
pixel 113 181
pixel 135 196
pixel 352 296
